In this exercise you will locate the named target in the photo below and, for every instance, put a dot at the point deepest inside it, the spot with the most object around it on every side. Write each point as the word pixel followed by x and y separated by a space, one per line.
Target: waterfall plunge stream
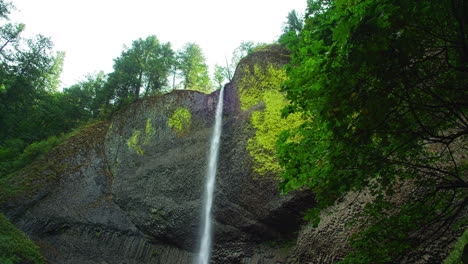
pixel 206 233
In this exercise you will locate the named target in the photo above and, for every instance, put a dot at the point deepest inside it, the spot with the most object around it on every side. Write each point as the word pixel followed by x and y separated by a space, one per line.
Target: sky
pixel 93 32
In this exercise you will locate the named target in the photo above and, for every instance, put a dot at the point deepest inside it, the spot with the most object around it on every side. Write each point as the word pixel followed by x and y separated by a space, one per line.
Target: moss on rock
pixel 257 80
pixel 260 84
pixel 15 246
pixel 133 142
pixel 180 121
pixel 268 125
pixel 150 132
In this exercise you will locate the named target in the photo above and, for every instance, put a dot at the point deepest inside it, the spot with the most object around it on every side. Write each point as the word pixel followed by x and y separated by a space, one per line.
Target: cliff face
pixel 129 191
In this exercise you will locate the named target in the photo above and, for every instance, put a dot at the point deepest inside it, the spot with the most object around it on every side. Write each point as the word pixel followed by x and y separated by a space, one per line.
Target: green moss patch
pixel 180 121
pixel 257 80
pixel 47 168
pixel 456 255
pixel 150 131
pixel 268 125
pixel 262 84
pixel 15 246
pixel 133 142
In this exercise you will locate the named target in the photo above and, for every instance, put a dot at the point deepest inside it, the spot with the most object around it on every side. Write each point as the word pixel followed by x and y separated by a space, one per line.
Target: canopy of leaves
pixel 193 68
pixel 30 108
pixel 142 68
pixel 382 88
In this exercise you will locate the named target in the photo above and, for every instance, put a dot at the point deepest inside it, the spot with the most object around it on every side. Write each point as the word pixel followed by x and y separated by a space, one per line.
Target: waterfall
pixel 206 233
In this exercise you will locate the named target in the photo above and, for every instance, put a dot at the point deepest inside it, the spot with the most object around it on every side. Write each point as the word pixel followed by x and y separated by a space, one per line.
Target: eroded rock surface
pixel 129 190
pixel 132 194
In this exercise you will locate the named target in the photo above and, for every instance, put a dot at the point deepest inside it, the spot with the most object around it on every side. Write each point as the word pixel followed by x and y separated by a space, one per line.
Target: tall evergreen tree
pixel 193 68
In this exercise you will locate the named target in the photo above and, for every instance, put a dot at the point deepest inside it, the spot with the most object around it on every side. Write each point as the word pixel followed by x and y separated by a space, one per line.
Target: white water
pixel 206 234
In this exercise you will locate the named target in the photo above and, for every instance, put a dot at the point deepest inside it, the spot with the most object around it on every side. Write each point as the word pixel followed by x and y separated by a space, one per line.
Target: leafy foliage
pixel 294 24
pixel 86 99
pixel 31 110
pixel 28 76
pixel 219 75
pixel 245 48
pixel 382 88
pixel 144 67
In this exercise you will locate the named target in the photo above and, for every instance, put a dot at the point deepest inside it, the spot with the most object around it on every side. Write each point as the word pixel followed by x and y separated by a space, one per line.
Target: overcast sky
pixel 93 32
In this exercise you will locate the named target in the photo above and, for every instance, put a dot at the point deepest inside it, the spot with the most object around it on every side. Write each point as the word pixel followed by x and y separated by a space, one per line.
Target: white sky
pixel 93 32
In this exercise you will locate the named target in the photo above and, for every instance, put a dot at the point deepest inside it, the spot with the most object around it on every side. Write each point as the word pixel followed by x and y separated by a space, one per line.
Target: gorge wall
pixel 129 190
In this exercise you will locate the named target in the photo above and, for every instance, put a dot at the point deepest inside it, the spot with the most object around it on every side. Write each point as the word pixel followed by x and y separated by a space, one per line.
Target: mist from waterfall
pixel 206 232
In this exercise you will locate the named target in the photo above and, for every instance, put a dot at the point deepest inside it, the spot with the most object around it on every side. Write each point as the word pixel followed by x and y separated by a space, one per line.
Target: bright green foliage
pixel 15 246
pixel 150 131
pixel 133 142
pixel 381 85
pixel 193 69
pixel 257 81
pixel 262 84
pixel 268 124
pixel 455 256
pixel 180 121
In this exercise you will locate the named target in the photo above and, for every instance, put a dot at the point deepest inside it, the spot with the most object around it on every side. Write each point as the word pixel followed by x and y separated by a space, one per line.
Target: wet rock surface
pixel 129 191
pixel 134 195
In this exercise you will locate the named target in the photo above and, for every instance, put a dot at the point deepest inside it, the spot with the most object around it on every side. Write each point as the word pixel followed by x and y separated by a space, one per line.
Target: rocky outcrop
pixel 130 190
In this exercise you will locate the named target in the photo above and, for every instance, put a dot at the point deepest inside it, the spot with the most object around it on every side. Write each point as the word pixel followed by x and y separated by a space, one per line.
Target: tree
pixel 219 75
pixel 85 99
pixel 5 9
pixel 294 23
pixel 382 89
pixel 193 68
pixel 244 49
pixel 145 66
pixel 29 73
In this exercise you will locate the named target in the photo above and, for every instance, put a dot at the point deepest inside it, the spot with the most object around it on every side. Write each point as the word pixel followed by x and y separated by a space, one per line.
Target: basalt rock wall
pixel 130 189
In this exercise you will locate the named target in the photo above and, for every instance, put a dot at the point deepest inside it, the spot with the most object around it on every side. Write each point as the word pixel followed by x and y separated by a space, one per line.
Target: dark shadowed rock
pixel 129 190
pixel 132 189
